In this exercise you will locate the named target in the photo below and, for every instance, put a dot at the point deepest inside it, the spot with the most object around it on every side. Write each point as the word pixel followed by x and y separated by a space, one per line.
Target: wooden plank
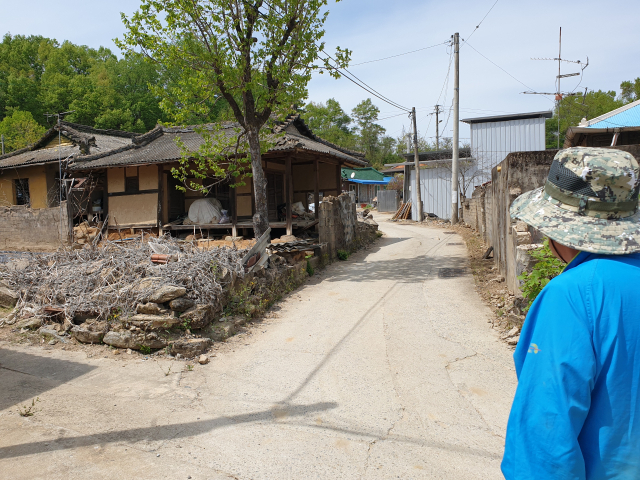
pixel 234 219
pixel 289 186
pixel 259 248
pixel 160 196
pixel 317 188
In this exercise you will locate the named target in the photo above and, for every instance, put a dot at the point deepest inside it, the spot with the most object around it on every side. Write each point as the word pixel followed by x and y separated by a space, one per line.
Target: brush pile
pixel 119 276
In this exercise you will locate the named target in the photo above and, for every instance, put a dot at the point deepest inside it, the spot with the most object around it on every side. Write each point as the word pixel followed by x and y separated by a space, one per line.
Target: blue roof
pixel 627 116
pixel 384 181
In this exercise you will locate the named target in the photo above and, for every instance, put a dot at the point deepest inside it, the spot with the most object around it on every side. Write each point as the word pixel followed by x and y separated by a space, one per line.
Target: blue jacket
pixel 576 412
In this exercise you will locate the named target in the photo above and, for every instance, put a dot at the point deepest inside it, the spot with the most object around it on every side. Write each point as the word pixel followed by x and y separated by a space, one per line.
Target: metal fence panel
pixel 388 201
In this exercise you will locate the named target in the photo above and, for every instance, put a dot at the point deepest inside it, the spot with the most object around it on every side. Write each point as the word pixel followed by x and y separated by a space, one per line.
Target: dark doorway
pixel 275 194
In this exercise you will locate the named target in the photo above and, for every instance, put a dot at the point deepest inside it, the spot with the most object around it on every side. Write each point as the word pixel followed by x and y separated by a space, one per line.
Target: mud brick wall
pixel 40 229
pixel 337 223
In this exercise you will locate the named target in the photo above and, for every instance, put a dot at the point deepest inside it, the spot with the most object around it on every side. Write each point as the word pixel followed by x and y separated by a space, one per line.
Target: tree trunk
pixel 261 217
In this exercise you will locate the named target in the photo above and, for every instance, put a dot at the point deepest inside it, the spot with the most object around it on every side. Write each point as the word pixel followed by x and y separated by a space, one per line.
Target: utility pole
pixel 456 132
pixel 416 159
pixel 437 128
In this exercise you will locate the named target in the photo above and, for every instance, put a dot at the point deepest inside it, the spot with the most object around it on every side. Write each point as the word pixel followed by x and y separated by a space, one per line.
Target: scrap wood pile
pixel 403 212
pixel 116 278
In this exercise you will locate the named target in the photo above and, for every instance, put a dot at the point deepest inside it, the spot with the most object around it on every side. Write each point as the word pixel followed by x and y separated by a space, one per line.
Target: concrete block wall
pixel 39 229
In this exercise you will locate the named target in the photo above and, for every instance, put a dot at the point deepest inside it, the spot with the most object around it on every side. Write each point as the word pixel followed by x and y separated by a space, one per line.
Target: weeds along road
pixel 383 366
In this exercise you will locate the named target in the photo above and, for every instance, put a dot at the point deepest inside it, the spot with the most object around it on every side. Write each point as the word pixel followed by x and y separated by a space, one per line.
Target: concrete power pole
pixel 417 165
pixel 437 128
pixel 456 132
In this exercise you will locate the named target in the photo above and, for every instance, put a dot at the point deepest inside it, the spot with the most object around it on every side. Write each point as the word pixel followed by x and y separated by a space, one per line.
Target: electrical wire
pixel 400 54
pixel 348 74
pixel 478 26
pixel 495 64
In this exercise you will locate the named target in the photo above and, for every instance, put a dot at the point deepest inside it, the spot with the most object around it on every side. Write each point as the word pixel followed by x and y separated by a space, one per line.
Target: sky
pixel 511 35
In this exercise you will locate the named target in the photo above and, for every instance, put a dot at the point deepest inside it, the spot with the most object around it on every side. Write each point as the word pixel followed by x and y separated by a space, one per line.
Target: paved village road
pixel 377 368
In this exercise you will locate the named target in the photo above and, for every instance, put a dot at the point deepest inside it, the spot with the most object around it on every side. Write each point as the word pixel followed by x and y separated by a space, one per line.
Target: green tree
pixel 574 108
pixel 365 115
pixel 19 130
pixel 258 56
pixel 630 91
pixel 330 122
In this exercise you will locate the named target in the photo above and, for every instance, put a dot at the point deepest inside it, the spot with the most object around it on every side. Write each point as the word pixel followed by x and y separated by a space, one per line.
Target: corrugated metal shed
pixel 493 138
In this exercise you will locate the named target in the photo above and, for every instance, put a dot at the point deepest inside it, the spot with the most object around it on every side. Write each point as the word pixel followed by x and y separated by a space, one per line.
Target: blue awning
pixel 384 181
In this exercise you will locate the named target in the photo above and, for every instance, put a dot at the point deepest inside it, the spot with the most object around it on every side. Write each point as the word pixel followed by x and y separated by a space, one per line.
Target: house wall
pixel 33 229
pixel 40 180
pixel 135 209
pixel 329 179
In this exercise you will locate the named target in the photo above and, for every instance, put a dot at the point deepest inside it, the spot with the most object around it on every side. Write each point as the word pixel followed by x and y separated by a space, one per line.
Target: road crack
pixel 400 411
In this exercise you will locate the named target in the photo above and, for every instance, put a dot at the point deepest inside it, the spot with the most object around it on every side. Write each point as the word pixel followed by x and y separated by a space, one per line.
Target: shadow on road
pixel 165 432
pixel 23 375
pixel 403 270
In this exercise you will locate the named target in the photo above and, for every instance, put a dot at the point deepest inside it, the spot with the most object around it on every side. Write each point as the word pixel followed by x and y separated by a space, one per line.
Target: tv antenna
pixel 559 94
pixel 59 117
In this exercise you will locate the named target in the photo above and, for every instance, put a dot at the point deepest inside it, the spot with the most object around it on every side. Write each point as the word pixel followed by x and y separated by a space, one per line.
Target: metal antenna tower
pixel 59 117
pixel 559 94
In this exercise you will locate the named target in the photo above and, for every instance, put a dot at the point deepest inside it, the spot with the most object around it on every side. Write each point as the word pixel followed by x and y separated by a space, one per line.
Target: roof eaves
pixel 510 117
pixel 610 114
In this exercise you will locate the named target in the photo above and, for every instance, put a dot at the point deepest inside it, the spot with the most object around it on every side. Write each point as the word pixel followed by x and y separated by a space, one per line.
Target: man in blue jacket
pixel 576 412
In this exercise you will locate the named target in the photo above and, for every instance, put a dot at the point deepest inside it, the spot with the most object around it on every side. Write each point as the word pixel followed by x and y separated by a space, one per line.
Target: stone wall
pixel 337 226
pixel 488 211
pixel 40 229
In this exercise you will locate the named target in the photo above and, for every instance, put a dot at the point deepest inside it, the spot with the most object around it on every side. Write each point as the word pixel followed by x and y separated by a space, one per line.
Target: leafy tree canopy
pixel 19 129
pixel 257 56
pixel 574 108
pixel 39 75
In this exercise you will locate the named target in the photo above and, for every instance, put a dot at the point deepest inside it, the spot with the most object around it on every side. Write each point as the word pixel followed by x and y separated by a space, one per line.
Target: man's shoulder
pixel 607 269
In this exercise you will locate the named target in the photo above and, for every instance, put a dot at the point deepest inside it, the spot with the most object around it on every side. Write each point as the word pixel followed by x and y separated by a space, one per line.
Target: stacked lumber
pixel 403 212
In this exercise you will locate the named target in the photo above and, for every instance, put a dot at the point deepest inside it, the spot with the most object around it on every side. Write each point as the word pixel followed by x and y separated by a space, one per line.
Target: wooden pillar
pixel 160 197
pixel 316 168
pixel 289 186
pixel 338 180
pixel 234 218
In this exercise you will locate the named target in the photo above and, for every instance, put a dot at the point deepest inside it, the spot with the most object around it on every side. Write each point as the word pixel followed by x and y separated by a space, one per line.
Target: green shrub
pixel 547 267
pixel 145 349
pixel 343 254
pixel 310 269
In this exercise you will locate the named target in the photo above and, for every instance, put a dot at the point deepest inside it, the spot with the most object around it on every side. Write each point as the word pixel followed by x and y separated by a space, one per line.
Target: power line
pixel 400 54
pixel 495 64
pixel 478 26
pixel 357 81
pixel 363 85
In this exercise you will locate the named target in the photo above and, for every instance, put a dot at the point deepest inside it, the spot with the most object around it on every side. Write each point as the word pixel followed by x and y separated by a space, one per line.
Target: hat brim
pixel 585 233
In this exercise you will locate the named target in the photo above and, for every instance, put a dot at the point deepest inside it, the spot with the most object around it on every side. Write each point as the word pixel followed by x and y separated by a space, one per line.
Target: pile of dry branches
pixel 106 280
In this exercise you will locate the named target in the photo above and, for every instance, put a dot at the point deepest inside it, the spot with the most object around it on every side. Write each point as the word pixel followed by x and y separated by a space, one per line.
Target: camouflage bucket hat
pixel 589 202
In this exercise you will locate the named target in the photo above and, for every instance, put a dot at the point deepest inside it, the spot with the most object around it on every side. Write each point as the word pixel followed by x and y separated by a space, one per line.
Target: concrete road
pixel 383 366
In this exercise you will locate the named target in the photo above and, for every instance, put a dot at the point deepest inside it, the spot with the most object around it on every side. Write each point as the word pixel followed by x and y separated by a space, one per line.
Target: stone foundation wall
pixel 337 226
pixel 40 229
